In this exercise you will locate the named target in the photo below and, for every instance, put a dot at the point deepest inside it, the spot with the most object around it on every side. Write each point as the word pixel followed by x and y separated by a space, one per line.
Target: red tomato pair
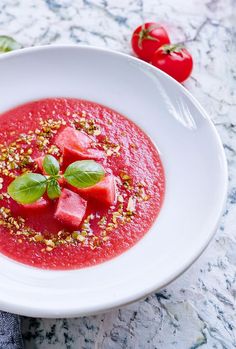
pixel 151 43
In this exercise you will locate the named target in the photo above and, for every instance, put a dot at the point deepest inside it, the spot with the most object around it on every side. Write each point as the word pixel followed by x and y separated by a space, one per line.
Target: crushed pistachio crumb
pixel 87 125
pixel 110 147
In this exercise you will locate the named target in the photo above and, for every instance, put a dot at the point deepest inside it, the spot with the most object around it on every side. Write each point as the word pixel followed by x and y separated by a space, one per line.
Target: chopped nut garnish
pixel 127 180
pixel 131 204
pixel 75 235
pixel 87 125
pixel 120 198
pixel 16 156
pixel 110 147
pixel 105 238
pixel 81 238
pixel 38 238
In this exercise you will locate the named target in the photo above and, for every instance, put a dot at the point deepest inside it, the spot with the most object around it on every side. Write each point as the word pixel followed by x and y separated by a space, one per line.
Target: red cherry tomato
pixel 175 60
pixel 147 38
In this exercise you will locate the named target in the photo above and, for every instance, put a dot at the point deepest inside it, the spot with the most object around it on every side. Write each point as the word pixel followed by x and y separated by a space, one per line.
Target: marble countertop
pixel 198 309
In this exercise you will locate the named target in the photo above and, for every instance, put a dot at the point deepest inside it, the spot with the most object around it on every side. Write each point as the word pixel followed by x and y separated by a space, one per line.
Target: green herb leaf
pixel 83 174
pixel 8 44
pixel 51 165
pixel 53 189
pixel 27 188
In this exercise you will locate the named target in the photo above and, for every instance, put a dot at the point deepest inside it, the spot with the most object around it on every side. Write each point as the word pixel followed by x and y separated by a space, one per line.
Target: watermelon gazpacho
pixel 79 183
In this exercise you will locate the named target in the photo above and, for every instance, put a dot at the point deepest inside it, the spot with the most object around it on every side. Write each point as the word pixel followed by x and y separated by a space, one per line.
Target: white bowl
pixel 193 158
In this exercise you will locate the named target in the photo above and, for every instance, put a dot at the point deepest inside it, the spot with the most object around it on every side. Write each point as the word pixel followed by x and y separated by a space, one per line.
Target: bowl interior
pixel 194 165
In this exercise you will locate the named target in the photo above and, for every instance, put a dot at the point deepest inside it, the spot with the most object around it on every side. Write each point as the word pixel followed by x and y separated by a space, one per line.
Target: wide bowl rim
pixel 156 285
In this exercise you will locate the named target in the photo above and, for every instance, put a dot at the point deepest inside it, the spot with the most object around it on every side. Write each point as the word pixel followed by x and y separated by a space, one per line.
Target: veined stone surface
pixel 197 310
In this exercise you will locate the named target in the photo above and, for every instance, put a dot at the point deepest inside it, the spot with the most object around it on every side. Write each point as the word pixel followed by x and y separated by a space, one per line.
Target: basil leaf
pixel 53 189
pixel 8 44
pixel 51 165
pixel 84 173
pixel 27 188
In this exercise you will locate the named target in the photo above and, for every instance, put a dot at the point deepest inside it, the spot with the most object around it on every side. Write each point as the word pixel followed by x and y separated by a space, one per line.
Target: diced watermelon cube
pixel 70 155
pixel 70 208
pixel 38 205
pixel 104 191
pixel 76 145
pixel 73 139
pixel 39 162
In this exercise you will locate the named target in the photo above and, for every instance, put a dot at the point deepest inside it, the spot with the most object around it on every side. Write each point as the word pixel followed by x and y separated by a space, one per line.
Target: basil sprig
pixel 53 189
pixel 8 44
pixel 30 187
pixel 27 188
pixel 84 173
pixel 51 165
